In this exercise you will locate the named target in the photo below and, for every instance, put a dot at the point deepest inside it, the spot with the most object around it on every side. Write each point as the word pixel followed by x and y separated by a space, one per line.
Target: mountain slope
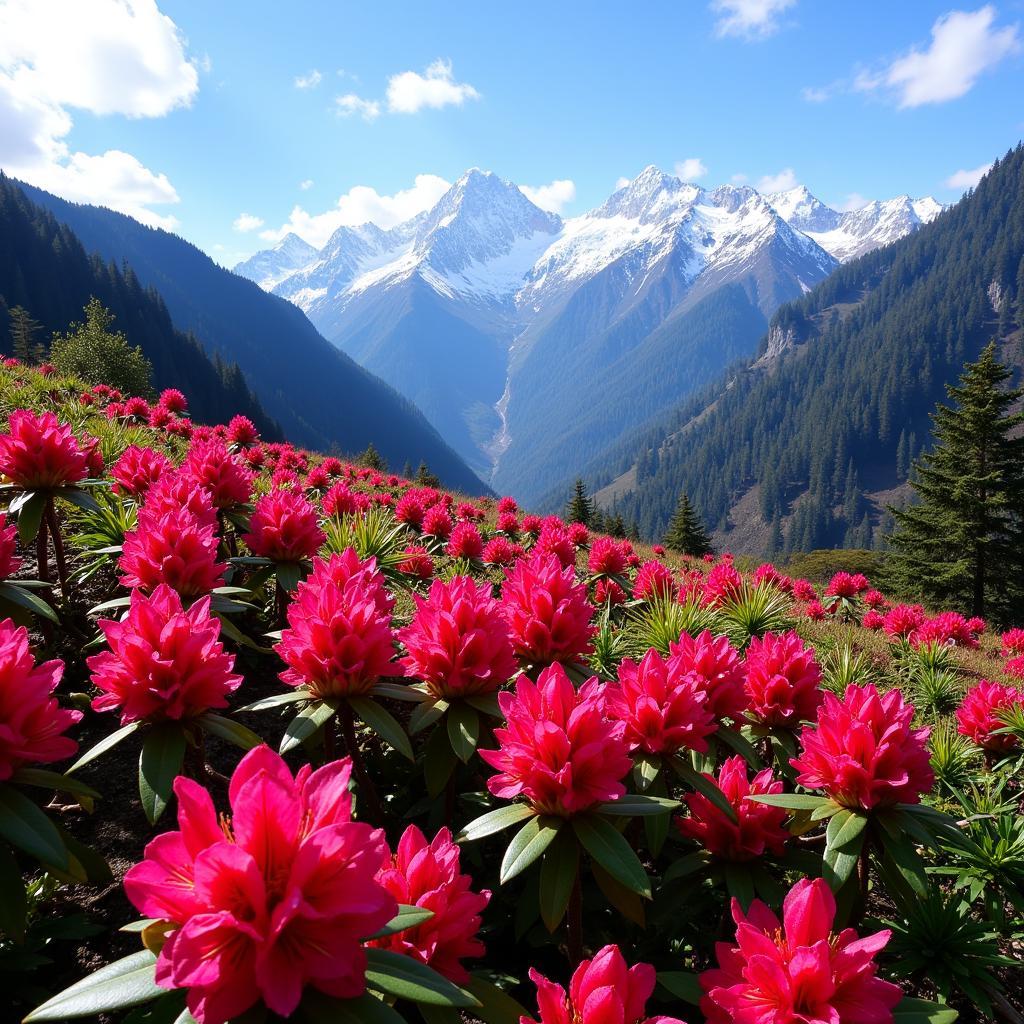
pixel 45 269
pixel 321 398
pixel 526 339
pixel 804 446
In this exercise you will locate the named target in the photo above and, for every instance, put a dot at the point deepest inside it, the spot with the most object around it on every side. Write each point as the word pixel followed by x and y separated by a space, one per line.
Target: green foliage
pixel 820 566
pixel 659 622
pixel 954 757
pixel 92 351
pixel 686 534
pixel 581 508
pixel 753 611
pixel 99 533
pixel 845 666
pixel 374 534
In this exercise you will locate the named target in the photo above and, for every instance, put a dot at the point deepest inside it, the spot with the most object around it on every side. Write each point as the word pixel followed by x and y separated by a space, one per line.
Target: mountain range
pixel 527 339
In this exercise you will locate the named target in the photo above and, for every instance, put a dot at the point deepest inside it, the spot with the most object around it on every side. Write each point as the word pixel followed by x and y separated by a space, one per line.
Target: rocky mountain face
pixel 526 338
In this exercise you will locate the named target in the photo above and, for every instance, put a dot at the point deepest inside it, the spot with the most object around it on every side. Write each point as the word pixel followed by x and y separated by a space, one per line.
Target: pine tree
pixel 374 460
pixel 962 542
pixel 617 528
pixel 686 534
pixel 581 508
pixel 425 478
pixel 24 332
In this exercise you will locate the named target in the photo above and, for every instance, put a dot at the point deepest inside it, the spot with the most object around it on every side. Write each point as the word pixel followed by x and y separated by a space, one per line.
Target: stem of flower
pixel 574 923
pixel 58 546
pixel 195 758
pixel 42 554
pixel 864 879
pixel 366 787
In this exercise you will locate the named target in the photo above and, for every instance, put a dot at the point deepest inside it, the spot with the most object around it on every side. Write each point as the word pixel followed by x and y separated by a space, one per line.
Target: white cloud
pixel 409 91
pixel 310 81
pixel 306 185
pixel 738 179
pixel 247 222
pixel 621 183
pixel 781 182
pixel 964 179
pixel 854 201
pixel 691 169
pixel 554 197
pixel 816 94
pixel 362 204
pixel 964 45
pixel 749 19
pixel 103 56
pixel 350 103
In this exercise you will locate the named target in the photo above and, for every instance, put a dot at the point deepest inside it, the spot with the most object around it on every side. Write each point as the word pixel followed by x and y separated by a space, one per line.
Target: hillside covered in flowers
pixel 284 737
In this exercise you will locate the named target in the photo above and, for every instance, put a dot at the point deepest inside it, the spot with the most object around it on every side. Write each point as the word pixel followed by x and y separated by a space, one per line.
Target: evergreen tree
pixel 374 460
pixel 686 534
pixel 425 478
pixel 617 528
pixel 962 542
pixel 25 330
pixel 581 508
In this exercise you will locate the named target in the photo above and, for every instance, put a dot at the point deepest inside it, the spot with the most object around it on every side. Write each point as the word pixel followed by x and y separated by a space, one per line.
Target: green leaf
pixel 230 730
pixel 25 826
pixel 407 917
pixel 44 779
pixel 26 599
pixel 124 983
pixel 406 978
pixel 688 865
pixel 485 703
pixel 494 821
pixel 609 849
pixel 82 499
pixel 656 828
pixel 845 829
pixel 384 724
pixel 104 745
pixel 922 1011
pixel 843 841
pixel 110 606
pixel 633 805
pixel 277 700
pixel 30 515
pixel 426 714
pixel 399 691
pixel 496 1005
pixel 624 900
pixel 463 730
pixel 739 883
pixel 683 985
pixel 163 752
pixel 705 786
pixel 645 771
pixel 558 873
pixel 438 760
pixel 791 801
pixel 289 575
pixel 13 904
pixel 306 724
pixel 737 741
pixel 527 845
pixel 826 810
pixel 317 1008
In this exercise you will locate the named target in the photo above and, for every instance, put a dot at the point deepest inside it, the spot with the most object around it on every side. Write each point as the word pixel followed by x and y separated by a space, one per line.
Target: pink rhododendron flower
pixel 173 400
pixel 718 666
pixel 410 509
pixel 501 551
pixel 873 619
pixel 874 599
pixel 465 542
pixel 284 527
pixel 437 522
pixel 783 680
pixel 224 475
pixel 863 751
pixel 767 573
pixel 416 562
pixel 458 640
pixel 338 642
pixel 653 580
pixel 944 628
pixel 606 558
pixel 844 584
pixel 547 611
pixel 797 970
pixel 723 583
pixel 9 561
pixel 32 723
pixel 507 504
pixel 164 661
pixel 422 874
pixel 977 715
pixel 138 469
pixel 816 611
pixel 278 898
pixel 531 524
pixel 508 523
pixel 554 539
pixel 609 592
pixel 1015 667
pixel 242 431
pixel 559 749
pixel 664 708
pixel 902 620
pixel 1012 643
pixel 759 828
pixel 602 991
pixel 803 590
pixel 172 492
pixel 39 453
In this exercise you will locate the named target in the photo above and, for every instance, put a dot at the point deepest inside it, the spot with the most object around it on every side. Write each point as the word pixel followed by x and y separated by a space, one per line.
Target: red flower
pixel 902 620
pixel 873 619
pixel 279 897
pixel 137 409
pixel 501 551
pixel 410 509
pixel 224 475
pixel 40 453
pixel 284 527
pixel 609 592
pixel 559 749
pixel 465 542
pixel 507 504
pixel 531 524
pixel 458 640
pixel 547 611
pixel 797 970
pixel 945 628
pixel 664 708
pixel 138 469
pixel 426 875
pixel 759 826
pixel 874 599
pixel 844 584
pixel 437 522
pixel 723 582
pixel 1015 667
pixel 171 547
pixel 175 491
pixel 653 580
pixel 242 431
pixel 717 665
pixel 602 991
pixel 164 661
pixel 782 680
pixel 977 715
pixel 767 573
pixel 803 590
pixel 554 538
pixel 31 720
pixel 1013 643
pixel 173 400
pixel 815 611
pixel 863 752
pixel 417 562
pixel 339 640
pixel 9 561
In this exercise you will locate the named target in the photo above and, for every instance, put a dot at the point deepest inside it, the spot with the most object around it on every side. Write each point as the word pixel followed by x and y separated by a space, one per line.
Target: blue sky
pixel 231 121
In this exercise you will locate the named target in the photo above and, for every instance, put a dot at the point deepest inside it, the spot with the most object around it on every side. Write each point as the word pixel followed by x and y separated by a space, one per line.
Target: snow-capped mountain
pixel 494 316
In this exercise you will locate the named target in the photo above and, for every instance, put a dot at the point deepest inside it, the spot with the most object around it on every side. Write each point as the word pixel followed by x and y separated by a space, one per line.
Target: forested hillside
pixel 805 446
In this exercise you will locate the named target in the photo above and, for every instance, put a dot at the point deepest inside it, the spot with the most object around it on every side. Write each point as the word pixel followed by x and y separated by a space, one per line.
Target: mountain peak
pixel 650 195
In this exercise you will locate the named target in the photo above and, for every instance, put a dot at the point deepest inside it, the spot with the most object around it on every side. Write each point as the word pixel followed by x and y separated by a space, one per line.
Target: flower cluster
pixel 978 714
pixel 782 680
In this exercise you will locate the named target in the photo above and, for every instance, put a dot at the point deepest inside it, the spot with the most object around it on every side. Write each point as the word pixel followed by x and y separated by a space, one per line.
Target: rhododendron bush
pixel 357 749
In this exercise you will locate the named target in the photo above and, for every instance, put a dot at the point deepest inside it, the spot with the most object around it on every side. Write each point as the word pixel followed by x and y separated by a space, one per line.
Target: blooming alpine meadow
pixel 286 736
